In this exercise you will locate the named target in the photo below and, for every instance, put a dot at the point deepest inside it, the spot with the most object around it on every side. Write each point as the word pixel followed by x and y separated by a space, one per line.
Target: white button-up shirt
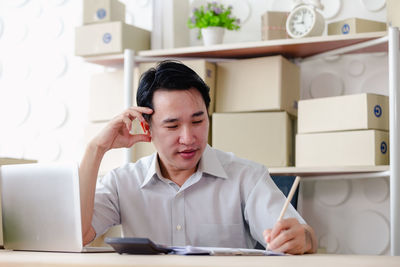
pixel 227 202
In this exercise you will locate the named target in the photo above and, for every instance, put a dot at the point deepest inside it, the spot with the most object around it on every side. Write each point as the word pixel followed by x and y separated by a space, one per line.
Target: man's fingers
pixel 277 229
pixel 139 138
pixel 136 112
pixel 267 235
pixel 267 232
pixel 128 123
pixel 131 114
pixel 283 237
pixel 142 109
pixel 282 225
pixel 291 247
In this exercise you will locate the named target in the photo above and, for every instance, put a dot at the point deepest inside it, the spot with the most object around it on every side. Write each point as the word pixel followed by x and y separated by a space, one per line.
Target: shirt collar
pixel 153 170
pixel 209 163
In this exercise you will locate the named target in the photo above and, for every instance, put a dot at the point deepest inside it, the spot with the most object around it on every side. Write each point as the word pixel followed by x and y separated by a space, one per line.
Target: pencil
pixel 289 197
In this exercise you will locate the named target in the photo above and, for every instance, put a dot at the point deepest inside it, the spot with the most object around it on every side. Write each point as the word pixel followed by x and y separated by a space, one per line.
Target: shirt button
pixel 178 227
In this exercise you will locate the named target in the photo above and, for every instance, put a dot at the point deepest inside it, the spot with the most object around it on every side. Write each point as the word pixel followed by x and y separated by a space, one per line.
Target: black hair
pixel 169 75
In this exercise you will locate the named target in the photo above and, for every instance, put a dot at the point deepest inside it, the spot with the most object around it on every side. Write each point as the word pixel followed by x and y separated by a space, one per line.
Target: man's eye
pixel 197 122
pixel 172 126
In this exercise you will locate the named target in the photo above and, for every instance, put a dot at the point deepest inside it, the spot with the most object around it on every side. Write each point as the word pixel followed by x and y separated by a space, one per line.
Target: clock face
pixel 301 21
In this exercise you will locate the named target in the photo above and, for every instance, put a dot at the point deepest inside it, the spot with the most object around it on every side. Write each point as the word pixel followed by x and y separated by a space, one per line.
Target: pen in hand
pixel 288 199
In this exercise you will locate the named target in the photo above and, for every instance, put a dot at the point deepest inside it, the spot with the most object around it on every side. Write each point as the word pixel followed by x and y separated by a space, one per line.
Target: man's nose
pixel 187 136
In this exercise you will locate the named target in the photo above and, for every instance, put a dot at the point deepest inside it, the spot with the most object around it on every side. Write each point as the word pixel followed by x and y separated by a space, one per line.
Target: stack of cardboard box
pixel 105 31
pixel 256 100
pixel 347 130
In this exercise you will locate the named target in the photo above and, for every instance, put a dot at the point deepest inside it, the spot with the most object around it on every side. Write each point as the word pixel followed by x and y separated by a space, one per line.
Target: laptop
pixel 41 208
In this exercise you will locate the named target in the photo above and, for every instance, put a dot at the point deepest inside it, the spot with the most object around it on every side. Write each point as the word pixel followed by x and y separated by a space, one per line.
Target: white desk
pixel 19 258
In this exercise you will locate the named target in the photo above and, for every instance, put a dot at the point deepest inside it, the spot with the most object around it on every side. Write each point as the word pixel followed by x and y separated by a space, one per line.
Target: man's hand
pixel 289 236
pixel 117 132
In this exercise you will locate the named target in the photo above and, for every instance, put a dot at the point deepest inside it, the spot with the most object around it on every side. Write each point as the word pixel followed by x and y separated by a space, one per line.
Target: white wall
pixel 43 86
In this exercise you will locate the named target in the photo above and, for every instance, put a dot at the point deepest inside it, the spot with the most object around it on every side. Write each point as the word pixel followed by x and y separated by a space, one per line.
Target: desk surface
pixel 18 258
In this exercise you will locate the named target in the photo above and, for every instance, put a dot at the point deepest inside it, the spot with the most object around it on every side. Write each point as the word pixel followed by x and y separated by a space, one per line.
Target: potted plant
pixel 212 21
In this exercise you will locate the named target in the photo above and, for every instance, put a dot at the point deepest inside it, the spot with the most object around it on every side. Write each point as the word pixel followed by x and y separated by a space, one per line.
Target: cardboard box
pixel 355 25
pixel 350 148
pixel 109 38
pixel 342 113
pixel 175 32
pixel 273 25
pixel 107 96
pixel 264 137
pixel 116 157
pixel 393 12
pixel 259 84
pixel 100 11
pixel 205 69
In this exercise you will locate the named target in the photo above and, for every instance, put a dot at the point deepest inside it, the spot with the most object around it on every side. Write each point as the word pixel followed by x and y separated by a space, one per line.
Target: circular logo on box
pixel 378 111
pixel 107 38
pixel 346 28
pixel 101 13
pixel 383 147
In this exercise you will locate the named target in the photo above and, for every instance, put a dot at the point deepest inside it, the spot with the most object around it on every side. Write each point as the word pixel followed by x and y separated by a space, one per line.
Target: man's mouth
pixel 188 153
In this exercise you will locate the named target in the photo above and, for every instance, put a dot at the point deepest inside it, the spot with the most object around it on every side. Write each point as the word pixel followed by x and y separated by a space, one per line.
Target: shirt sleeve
pixel 106 205
pixel 263 206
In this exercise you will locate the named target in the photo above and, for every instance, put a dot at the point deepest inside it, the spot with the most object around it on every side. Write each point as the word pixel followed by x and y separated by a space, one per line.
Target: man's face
pixel 179 128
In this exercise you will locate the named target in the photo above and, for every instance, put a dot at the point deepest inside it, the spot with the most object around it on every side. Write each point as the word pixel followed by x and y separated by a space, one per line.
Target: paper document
pixel 137 245
pixel 217 251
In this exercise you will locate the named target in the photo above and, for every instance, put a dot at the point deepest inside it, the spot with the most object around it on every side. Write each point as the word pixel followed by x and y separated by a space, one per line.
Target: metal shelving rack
pixel 301 49
pixel 394 147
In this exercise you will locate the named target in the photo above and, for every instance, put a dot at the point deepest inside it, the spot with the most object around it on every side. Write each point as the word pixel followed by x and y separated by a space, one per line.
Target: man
pixel 187 193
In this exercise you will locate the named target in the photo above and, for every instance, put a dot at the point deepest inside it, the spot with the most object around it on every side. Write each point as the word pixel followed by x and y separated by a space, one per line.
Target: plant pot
pixel 212 35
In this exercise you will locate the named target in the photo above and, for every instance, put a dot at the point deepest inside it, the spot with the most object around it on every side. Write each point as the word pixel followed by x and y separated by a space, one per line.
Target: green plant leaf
pixel 213 14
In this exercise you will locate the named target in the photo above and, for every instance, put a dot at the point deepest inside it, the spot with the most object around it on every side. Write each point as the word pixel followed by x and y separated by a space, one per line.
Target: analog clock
pixel 305 21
